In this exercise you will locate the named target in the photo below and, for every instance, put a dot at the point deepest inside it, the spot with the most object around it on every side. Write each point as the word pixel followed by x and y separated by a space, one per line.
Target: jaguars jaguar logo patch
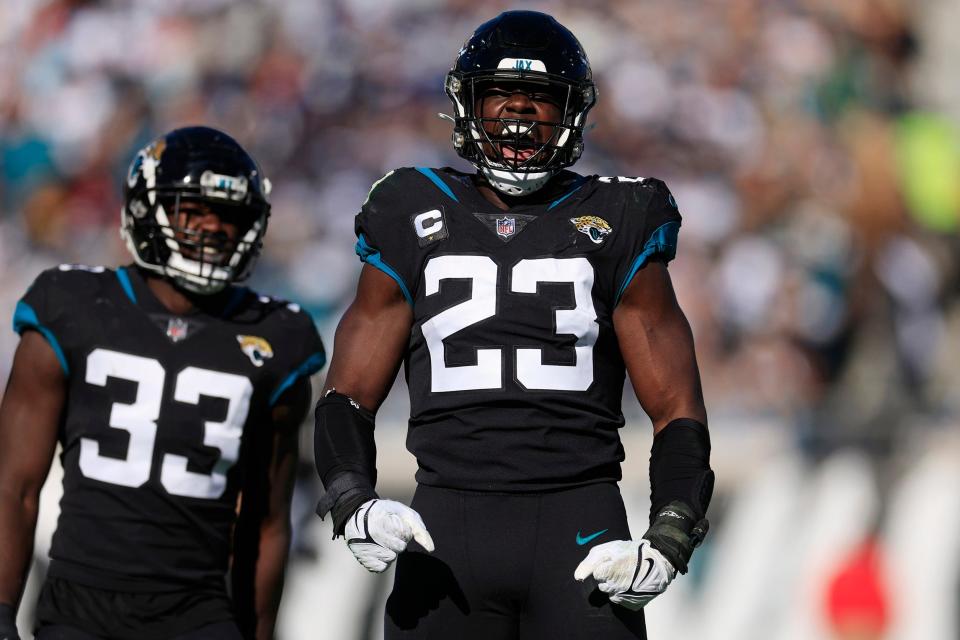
pixel 256 348
pixel 593 227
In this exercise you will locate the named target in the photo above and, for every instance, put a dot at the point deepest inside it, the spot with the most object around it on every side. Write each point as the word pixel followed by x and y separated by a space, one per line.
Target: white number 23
pixel 581 321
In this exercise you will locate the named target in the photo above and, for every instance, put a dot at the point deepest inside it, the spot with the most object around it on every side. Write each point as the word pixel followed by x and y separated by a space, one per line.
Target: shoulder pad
pixel 73 278
pixel 621 179
pixel 390 181
pixel 82 267
pixel 411 187
pixel 658 189
pixel 643 190
pixel 283 310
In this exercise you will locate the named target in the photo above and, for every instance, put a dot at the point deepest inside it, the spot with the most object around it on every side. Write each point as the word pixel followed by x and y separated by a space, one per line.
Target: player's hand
pixel 631 572
pixel 380 529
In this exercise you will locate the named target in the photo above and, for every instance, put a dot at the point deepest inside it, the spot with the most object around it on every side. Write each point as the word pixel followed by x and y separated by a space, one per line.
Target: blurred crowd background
pixel 813 147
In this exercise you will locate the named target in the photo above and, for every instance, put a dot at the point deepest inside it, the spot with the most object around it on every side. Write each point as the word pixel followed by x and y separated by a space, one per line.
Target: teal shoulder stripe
pixel 124 279
pixel 24 317
pixel 663 242
pixel 372 257
pixel 435 179
pixel 576 187
pixel 309 367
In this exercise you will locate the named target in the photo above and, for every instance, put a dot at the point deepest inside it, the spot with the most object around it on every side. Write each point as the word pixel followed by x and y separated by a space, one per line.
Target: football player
pixel 517 297
pixel 176 395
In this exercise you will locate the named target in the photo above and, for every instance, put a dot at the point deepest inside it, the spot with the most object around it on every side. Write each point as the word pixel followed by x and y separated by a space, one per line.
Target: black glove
pixel 8 623
pixel 676 532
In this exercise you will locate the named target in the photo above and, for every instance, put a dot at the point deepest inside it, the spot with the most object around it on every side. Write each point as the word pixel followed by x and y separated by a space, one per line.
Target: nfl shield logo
pixel 177 329
pixel 506 227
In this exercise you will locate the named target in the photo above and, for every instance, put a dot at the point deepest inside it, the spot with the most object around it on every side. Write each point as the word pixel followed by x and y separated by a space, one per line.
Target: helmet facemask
pixel 519 155
pixel 198 260
pixel 195 171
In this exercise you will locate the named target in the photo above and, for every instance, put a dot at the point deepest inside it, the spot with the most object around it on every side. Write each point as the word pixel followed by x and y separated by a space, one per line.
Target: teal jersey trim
pixel 309 367
pixel 24 317
pixel 124 279
pixel 572 191
pixel 372 257
pixel 662 241
pixel 435 179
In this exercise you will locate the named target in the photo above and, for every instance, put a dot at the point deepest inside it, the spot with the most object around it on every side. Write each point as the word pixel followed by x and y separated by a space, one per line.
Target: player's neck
pixel 504 202
pixel 493 196
pixel 175 300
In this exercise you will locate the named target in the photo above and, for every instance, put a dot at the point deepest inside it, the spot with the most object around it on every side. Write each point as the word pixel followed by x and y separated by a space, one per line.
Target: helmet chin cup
pixel 204 287
pixel 514 183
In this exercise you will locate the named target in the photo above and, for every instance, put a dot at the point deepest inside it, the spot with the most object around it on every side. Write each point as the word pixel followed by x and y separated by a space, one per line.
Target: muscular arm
pixel 368 347
pixel 370 340
pixel 657 348
pixel 29 422
pixel 262 538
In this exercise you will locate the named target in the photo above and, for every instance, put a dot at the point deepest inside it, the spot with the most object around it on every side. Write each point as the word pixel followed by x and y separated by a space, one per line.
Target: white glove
pixel 380 529
pixel 631 572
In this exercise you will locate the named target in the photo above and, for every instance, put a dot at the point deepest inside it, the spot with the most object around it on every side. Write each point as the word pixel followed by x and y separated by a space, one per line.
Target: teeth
pixel 519 129
pixel 211 251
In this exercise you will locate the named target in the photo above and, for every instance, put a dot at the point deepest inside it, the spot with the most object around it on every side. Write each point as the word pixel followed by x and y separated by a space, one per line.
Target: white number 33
pixel 139 419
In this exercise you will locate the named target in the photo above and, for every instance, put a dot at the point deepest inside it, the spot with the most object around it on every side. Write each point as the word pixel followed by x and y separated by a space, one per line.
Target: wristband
pixel 345 452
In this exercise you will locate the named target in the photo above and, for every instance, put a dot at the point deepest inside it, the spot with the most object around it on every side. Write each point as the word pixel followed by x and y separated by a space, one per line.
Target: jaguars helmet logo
pixel 595 228
pixel 256 348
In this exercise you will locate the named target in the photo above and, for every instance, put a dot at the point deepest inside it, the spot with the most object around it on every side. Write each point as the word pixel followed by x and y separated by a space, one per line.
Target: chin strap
pixel 515 183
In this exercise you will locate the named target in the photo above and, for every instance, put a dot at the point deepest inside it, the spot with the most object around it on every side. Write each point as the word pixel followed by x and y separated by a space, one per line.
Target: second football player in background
pixel 173 391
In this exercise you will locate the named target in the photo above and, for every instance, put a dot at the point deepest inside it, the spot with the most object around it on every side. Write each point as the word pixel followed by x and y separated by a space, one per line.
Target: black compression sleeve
pixel 345 453
pixel 680 467
pixel 8 622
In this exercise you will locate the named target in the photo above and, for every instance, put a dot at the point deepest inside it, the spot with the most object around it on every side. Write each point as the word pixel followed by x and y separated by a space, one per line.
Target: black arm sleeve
pixel 345 453
pixel 680 467
pixel 681 484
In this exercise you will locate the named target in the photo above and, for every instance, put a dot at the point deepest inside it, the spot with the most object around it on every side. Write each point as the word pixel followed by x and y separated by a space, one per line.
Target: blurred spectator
pixel 820 201
pixel 813 147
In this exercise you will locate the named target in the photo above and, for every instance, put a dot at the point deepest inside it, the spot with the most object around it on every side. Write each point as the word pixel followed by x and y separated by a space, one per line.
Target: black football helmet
pixel 521 47
pixel 179 170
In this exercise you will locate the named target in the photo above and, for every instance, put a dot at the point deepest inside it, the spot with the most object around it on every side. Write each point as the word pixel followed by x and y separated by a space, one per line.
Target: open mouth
pixel 215 255
pixel 518 141
pixel 214 249
pixel 207 255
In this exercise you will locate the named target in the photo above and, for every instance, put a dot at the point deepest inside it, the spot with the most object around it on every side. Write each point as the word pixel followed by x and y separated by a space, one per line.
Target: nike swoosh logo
pixel 581 540
pixel 636 582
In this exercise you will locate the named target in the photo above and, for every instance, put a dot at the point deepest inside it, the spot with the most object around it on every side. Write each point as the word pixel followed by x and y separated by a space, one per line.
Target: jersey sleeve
pixel 384 233
pixel 42 309
pixel 309 355
pixel 652 224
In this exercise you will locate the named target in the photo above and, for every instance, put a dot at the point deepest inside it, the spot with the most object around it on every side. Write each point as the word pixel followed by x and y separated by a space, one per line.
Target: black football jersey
pixel 161 414
pixel 513 366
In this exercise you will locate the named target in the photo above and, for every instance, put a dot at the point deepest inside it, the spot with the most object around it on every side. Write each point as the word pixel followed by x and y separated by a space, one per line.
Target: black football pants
pixel 70 611
pixel 218 631
pixel 503 568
